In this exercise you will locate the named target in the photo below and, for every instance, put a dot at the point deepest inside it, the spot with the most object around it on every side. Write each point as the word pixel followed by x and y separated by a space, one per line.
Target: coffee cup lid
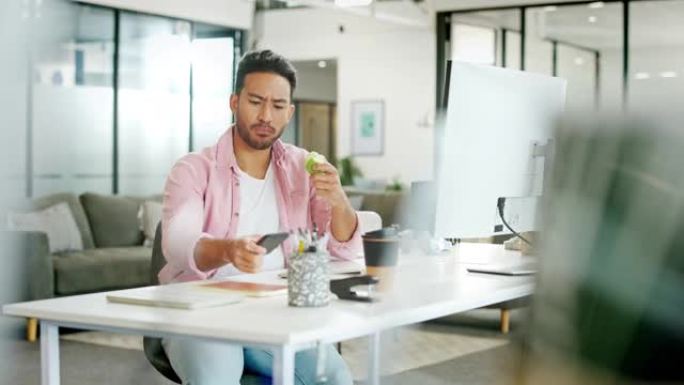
pixel 387 232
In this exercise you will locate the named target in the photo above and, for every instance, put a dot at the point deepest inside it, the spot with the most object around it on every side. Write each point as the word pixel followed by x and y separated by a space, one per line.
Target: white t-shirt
pixel 258 215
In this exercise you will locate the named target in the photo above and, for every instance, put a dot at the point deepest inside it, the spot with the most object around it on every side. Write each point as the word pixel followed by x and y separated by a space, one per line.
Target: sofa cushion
pixel 113 219
pixel 76 210
pixel 101 269
pixel 56 221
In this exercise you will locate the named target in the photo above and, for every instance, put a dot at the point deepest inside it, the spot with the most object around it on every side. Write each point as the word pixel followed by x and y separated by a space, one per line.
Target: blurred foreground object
pixel 609 305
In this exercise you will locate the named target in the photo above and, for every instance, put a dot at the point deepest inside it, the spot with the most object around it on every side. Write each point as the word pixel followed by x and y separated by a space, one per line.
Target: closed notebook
pixel 183 297
pixel 251 289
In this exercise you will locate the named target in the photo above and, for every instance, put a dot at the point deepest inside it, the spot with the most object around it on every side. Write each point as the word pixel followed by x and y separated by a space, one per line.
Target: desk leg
pixel 505 320
pixel 31 329
pixel 374 359
pixel 283 365
pixel 49 353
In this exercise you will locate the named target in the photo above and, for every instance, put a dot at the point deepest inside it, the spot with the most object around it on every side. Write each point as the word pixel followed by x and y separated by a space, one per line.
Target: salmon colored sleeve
pixel 183 213
pixel 322 217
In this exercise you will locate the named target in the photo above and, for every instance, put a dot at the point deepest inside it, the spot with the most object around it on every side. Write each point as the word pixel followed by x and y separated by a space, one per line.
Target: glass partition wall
pixel 614 54
pixel 118 96
pixel 153 100
pixel 213 50
pixel 72 98
pixel 584 44
pixel 656 55
pixel 487 37
pixel 580 42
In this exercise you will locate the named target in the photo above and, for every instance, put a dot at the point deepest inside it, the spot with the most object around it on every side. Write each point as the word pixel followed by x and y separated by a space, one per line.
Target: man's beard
pixel 244 133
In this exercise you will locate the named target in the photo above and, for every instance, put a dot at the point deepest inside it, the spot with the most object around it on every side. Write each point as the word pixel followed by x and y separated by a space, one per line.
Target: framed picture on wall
pixel 368 127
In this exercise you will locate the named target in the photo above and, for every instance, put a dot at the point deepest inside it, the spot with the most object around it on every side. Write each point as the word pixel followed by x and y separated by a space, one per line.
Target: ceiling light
pixel 592 19
pixel 352 3
pixel 579 61
pixel 550 8
pixel 322 64
pixel 642 76
pixel 596 5
pixel 668 74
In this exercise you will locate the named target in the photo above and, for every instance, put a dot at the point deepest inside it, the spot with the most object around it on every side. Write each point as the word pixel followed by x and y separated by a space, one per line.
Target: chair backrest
pixel 154 351
pixel 369 221
pixel 158 260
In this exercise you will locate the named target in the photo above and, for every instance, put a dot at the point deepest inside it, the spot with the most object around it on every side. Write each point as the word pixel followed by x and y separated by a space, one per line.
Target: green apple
pixel 311 160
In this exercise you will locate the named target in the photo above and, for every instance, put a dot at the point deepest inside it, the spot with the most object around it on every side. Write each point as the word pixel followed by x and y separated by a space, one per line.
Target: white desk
pixel 425 288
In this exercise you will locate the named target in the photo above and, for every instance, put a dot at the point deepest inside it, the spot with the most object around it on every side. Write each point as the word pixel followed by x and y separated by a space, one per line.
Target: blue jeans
pixel 216 363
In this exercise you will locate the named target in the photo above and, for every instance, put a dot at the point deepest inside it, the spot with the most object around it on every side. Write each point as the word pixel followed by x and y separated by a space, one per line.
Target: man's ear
pixel 234 102
pixel 291 111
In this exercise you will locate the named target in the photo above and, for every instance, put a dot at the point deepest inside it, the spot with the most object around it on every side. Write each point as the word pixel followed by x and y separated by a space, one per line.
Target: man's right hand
pixel 243 253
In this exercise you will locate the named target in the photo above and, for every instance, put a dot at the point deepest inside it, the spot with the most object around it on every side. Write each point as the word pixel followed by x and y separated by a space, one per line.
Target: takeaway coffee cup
pixel 381 253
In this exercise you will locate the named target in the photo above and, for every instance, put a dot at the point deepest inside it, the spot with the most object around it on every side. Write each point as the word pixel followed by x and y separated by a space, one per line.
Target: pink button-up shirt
pixel 202 200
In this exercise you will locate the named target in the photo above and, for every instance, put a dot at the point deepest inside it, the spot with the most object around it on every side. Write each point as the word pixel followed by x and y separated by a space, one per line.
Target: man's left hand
pixel 326 180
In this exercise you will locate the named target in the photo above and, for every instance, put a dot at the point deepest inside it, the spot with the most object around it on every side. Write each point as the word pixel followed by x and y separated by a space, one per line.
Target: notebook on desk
pixel 251 289
pixel 184 297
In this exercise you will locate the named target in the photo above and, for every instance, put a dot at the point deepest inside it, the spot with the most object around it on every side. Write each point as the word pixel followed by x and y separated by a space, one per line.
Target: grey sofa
pixel 113 255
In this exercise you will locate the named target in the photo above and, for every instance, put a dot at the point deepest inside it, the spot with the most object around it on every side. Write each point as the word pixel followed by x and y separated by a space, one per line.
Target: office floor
pixel 484 357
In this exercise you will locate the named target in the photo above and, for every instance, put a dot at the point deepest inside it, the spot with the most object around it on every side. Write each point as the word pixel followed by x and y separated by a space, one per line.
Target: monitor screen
pixel 496 120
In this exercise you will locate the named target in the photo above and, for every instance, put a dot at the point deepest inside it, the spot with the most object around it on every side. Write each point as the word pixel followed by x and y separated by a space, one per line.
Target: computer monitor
pixel 498 124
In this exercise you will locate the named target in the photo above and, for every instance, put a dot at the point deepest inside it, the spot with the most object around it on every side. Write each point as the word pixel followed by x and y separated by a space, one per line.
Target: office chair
pixel 369 221
pixel 154 351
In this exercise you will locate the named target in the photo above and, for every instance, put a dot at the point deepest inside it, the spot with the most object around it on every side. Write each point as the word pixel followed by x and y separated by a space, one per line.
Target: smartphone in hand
pixel 271 241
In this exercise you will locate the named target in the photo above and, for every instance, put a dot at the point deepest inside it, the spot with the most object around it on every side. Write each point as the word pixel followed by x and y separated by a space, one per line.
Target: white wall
pixel 229 13
pixel 375 60
pixel 316 84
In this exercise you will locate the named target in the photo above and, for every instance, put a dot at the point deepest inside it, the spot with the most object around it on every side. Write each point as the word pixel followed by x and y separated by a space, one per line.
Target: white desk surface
pixel 425 287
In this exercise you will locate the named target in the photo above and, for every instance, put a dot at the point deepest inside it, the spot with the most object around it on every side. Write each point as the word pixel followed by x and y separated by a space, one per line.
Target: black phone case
pixel 271 241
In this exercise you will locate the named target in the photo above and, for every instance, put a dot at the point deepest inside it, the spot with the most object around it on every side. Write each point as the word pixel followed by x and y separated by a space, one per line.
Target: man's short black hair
pixel 265 61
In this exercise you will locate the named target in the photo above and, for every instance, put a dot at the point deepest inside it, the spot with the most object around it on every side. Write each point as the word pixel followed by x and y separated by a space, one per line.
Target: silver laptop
pixel 527 268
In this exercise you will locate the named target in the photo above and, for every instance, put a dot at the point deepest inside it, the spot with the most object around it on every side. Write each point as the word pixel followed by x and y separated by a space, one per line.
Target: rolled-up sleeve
pixel 345 250
pixel 183 216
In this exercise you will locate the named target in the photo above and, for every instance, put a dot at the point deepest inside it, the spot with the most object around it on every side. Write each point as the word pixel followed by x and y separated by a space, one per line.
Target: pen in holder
pixel 308 282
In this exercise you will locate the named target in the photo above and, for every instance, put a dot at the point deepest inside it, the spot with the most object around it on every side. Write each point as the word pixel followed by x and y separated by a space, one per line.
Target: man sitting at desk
pixel 219 201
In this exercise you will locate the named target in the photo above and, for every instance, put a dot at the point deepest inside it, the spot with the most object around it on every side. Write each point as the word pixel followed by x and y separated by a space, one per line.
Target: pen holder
pixel 308 282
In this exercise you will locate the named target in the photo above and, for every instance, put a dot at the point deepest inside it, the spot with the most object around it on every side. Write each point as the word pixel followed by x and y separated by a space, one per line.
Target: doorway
pixel 314 125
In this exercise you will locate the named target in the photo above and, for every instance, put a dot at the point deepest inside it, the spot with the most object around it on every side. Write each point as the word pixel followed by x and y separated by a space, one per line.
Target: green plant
pixel 395 185
pixel 348 170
